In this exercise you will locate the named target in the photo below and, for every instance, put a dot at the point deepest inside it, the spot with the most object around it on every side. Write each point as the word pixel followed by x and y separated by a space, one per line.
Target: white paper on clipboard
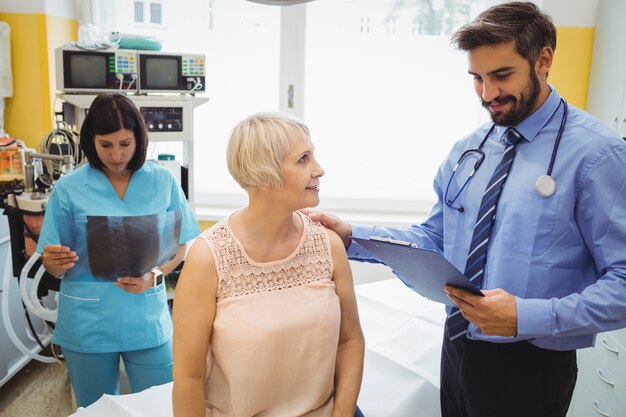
pixel 423 270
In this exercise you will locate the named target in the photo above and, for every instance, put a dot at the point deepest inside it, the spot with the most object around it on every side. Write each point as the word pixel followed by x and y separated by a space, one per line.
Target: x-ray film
pixel 110 247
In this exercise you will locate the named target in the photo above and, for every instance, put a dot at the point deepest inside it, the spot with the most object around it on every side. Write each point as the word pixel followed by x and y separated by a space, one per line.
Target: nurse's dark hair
pixel 521 22
pixel 110 113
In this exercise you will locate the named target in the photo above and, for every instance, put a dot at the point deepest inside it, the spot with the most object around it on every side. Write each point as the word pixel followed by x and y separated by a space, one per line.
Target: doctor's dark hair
pixel 521 22
pixel 110 113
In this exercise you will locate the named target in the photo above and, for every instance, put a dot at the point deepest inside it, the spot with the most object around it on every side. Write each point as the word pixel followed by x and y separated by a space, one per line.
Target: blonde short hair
pixel 258 145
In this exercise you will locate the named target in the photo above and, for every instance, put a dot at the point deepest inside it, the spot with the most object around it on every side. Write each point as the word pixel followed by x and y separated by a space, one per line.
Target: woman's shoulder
pixel 201 246
pixel 309 222
pixel 316 228
pixel 335 242
pixel 215 232
pixel 209 240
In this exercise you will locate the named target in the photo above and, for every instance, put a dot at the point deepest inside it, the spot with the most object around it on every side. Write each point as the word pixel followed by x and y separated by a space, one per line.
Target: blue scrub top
pixel 95 315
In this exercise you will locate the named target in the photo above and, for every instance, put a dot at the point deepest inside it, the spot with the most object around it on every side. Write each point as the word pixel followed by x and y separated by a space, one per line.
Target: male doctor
pixel 540 228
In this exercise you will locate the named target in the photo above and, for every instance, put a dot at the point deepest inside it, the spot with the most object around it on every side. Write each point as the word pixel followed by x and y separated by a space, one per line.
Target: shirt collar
pixel 532 125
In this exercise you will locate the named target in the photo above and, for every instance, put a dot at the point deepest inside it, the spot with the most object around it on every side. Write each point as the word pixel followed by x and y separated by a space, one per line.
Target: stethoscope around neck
pixel 545 184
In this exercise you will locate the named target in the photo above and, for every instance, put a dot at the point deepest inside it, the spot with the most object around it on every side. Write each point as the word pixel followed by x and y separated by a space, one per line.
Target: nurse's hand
pixel 57 259
pixel 136 285
pixel 495 313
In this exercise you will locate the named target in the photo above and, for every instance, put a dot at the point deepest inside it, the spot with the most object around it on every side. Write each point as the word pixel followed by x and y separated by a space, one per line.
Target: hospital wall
pixel 575 21
pixel 39 26
pixel 572 64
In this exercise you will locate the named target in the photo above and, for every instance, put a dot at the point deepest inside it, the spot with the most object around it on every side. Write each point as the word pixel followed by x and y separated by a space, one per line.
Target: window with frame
pixel 138 7
pixel 156 13
pixel 148 12
pixel 380 98
pixel 383 92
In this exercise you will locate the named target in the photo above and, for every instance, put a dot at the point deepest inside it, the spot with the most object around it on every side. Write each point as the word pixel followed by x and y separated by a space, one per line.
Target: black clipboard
pixel 424 271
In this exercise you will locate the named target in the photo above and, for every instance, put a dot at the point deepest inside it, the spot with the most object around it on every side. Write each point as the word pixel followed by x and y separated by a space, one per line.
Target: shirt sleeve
pixel 427 235
pixel 600 215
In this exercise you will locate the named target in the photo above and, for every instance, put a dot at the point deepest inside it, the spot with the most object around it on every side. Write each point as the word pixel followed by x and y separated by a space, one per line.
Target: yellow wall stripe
pixel 572 64
pixel 44 77
pixel 205 224
pixel 28 114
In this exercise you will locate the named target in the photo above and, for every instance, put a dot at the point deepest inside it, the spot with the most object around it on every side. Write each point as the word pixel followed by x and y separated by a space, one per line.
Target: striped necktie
pixel 477 257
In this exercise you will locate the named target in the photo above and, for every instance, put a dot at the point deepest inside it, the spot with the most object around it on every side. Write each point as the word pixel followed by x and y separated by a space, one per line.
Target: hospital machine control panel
pixel 125 63
pixel 163 119
pixel 193 66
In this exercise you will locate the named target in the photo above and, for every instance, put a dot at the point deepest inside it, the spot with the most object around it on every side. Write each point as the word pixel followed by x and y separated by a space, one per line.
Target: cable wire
pixel 61 141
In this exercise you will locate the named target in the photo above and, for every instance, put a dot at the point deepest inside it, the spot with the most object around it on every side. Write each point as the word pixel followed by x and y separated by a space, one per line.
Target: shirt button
pixel 469 334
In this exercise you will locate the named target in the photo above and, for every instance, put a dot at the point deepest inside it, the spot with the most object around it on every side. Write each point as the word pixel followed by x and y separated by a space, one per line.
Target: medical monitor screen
pixel 88 70
pixel 161 72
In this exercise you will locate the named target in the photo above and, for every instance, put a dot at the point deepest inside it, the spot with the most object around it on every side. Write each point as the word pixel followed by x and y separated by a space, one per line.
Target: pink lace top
pixel 274 341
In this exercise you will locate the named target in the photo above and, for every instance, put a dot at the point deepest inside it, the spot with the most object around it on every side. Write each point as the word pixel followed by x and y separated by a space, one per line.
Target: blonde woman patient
pixel 265 315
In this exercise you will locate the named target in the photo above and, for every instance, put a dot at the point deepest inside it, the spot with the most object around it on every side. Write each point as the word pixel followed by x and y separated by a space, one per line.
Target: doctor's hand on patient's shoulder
pixel 334 223
pixel 57 259
pixel 495 313
pixel 136 285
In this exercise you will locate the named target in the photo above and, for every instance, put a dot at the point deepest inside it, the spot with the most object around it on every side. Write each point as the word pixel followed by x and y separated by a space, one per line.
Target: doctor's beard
pixel 520 108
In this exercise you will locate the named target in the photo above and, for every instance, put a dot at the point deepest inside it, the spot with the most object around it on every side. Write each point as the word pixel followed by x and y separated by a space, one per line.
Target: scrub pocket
pixel 78 323
pixel 529 222
pixel 156 301
pixel 157 315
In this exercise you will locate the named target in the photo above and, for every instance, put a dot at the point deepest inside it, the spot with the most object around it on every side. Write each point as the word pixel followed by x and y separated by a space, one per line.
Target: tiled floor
pixel 38 390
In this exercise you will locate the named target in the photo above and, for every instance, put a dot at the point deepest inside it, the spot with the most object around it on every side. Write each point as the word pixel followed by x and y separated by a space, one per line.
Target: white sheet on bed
pixel 153 402
pixel 403 333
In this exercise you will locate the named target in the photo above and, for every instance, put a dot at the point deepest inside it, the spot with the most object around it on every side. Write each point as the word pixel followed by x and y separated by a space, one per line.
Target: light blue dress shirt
pixel 94 314
pixel 563 257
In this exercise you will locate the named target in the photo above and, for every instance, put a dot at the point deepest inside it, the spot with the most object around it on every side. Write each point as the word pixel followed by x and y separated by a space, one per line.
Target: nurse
pixel 101 320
